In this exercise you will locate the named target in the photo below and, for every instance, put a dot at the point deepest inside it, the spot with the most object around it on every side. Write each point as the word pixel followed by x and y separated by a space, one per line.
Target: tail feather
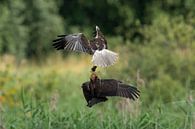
pixel 104 58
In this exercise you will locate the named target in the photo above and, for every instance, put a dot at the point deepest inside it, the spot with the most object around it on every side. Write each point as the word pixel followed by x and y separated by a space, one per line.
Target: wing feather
pixel 73 42
pixel 112 87
pixel 127 91
pixel 130 95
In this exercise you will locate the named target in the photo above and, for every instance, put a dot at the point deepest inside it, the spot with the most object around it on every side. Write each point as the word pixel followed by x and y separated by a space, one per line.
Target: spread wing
pixel 111 87
pixel 73 42
pixel 108 87
pixel 127 91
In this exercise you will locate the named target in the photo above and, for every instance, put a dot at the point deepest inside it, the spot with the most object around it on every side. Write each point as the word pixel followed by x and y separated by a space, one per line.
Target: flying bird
pixel 104 88
pixel 97 47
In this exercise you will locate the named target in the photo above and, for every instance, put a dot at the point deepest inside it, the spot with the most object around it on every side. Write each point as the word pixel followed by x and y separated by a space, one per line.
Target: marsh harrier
pixel 97 47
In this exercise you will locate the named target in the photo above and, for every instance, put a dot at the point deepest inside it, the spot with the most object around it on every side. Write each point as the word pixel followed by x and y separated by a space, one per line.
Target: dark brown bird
pixel 108 87
pixel 97 47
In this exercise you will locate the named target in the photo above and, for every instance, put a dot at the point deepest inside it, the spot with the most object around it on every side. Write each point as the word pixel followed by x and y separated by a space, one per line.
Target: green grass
pixel 73 115
pixel 50 97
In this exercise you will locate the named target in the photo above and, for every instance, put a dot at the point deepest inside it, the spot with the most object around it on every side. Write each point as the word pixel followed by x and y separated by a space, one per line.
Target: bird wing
pixel 73 42
pixel 127 91
pixel 112 87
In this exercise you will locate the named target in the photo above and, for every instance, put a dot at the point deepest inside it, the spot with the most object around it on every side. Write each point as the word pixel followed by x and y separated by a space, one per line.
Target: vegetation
pixel 47 96
pixel 41 88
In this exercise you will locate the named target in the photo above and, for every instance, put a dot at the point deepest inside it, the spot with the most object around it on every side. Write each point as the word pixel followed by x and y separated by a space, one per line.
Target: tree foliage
pixel 27 27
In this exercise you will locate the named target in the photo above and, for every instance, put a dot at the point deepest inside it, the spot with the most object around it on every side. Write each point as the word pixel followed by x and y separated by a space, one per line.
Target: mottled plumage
pixel 97 47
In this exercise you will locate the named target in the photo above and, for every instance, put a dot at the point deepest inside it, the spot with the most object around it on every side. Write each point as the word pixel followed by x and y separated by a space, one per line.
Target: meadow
pixel 48 95
pixel 40 88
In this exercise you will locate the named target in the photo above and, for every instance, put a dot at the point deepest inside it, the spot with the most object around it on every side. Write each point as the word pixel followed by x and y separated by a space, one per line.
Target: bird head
pixel 97 28
pixel 97 32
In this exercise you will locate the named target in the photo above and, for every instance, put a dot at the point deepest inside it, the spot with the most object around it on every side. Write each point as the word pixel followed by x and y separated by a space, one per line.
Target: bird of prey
pixel 107 87
pixel 97 47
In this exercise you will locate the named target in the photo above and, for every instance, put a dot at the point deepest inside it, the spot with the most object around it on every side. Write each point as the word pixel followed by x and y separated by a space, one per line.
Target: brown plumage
pixel 97 47
pixel 73 42
pixel 108 87
pixel 78 42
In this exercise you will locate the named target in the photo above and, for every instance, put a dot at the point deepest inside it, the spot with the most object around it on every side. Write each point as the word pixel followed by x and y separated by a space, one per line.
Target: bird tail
pixel 104 58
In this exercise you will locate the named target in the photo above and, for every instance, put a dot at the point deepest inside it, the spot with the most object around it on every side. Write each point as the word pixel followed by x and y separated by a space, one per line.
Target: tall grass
pixel 38 114
pixel 49 96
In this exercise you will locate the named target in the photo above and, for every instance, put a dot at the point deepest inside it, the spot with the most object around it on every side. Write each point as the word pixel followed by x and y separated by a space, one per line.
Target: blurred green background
pixel 40 87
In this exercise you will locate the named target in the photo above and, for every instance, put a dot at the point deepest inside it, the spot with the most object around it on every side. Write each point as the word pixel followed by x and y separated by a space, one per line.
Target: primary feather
pixel 73 42
pixel 109 87
pixel 96 47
